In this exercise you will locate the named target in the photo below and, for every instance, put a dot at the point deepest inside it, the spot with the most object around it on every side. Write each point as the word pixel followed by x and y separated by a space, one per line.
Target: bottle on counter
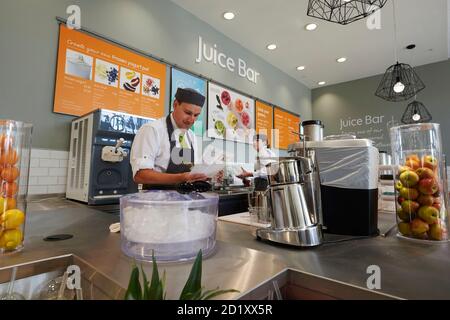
pixel 420 182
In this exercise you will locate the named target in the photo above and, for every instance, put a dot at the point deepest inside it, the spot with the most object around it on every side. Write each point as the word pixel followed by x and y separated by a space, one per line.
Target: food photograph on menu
pixel 230 114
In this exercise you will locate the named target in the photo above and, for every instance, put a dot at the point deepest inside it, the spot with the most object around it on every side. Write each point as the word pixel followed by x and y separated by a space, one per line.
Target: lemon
pixel 2 205
pixel 7 204
pixel 13 219
pixel 11 239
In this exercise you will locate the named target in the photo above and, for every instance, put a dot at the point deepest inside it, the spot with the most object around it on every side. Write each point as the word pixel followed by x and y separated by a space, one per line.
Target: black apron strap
pixel 187 156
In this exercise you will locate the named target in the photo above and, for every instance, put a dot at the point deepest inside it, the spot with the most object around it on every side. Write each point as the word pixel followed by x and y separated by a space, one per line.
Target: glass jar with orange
pixel 15 148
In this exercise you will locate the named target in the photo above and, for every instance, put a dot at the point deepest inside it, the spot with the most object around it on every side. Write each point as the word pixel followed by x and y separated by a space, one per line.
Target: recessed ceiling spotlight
pixel 228 15
pixel 340 60
pixel 311 27
pixel 321 83
pixel 272 46
pixel 300 68
pixel 411 46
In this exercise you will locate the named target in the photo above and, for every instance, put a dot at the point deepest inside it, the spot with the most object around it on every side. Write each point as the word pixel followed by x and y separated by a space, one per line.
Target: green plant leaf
pixel 134 291
pixel 155 286
pixel 145 285
pixel 194 282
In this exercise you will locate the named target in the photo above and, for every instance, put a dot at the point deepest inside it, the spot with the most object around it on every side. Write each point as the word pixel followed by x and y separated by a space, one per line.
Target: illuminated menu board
pixel 285 125
pixel 264 120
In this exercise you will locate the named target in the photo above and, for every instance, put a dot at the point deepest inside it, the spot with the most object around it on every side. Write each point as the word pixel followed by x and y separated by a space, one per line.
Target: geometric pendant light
pixel 400 82
pixel 416 113
pixel 343 11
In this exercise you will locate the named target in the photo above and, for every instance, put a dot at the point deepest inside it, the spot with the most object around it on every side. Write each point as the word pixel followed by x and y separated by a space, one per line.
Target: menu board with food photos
pixel 230 114
pixel 264 120
pixel 286 127
pixel 95 74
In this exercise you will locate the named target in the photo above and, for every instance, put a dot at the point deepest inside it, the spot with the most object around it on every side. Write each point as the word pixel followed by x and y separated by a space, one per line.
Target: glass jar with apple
pixel 420 184
pixel 15 147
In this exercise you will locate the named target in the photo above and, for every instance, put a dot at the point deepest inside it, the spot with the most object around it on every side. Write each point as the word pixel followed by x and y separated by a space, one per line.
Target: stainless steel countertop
pixel 408 269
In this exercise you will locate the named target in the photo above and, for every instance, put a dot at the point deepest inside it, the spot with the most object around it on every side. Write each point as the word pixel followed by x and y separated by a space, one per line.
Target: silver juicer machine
pixel 295 205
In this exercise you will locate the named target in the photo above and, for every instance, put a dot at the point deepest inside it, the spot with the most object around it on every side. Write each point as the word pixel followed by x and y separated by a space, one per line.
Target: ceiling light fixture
pixel 343 11
pixel 321 83
pixel 416 112
pixel 400 82
pixel 271 46
pixel 311 27
pixel 340 60
pixel 228 15
pixel 300 68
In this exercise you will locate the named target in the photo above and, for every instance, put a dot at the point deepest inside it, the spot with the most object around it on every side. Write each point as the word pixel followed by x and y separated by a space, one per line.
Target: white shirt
pixel 151 146
pixel 260 164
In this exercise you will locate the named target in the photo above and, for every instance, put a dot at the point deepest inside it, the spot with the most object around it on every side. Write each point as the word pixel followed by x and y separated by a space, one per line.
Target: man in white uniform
pixel 163 151
pixel 260 144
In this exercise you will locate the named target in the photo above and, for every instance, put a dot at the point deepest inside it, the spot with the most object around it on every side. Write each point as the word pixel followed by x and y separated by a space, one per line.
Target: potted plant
pixel 155 289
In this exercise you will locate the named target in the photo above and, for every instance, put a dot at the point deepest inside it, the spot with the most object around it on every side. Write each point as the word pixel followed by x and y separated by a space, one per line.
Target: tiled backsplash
pixel 48 171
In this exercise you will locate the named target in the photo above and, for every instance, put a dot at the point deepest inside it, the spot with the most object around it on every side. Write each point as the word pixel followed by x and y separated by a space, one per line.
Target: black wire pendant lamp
pixel 416 112
pixel 400 82
pixel 343 11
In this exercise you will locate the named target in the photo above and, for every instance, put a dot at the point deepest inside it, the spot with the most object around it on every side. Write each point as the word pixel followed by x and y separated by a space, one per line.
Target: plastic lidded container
pixel 15 148
pixel 173 225
pixel 420 182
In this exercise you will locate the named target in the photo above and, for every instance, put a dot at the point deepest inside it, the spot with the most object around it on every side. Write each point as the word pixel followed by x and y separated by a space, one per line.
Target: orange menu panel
pixel 285 124
pixel 94 73
pixel 264 119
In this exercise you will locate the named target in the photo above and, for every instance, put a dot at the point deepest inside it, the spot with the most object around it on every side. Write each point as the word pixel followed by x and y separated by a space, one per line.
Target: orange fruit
pixel 8 189
pixel 9 157
pixel 6 142
pixel 11 203
pixel 10 174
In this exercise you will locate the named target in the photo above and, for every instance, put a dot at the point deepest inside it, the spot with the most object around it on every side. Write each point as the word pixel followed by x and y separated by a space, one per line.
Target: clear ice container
pixel 174 226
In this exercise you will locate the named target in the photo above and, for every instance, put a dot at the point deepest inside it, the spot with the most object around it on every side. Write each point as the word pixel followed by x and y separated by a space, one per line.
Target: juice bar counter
pixel 337 270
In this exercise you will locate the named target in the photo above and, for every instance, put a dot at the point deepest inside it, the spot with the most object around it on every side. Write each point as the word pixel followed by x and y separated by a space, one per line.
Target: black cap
pixel 191 96
pixel 312 122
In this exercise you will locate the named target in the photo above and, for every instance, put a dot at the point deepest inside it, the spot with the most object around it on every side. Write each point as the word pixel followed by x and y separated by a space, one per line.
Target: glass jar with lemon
pixel 15 147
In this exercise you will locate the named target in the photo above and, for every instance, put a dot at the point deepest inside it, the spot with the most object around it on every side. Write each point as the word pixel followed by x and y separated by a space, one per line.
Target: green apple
pixel 428 186
pixel 419 227
pixel 402 169
pixel 424 173
pixel 429 214
pixel 409 178
pixel 398 186
pixel 430 162
pixel 426 200
pixel 409 193
pixel 404 228
pixel 438 231
pixel 405 216
pixel 410 207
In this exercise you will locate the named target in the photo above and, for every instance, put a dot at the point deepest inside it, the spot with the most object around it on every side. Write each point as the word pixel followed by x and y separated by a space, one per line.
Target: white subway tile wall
pixel 48 171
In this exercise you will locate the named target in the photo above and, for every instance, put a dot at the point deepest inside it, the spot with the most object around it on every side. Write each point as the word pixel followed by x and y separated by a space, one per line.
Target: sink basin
pixel 296 285
pixel 34 276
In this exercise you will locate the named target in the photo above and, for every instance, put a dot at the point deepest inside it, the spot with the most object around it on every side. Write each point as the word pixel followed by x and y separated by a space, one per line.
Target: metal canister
pixel 313 130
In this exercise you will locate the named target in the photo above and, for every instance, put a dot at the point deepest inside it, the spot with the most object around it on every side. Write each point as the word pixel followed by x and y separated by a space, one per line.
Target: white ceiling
pixel 369 52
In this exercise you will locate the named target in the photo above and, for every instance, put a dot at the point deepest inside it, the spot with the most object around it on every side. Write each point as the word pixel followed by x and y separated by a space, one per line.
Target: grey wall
pixel 28 49
pixel 356 100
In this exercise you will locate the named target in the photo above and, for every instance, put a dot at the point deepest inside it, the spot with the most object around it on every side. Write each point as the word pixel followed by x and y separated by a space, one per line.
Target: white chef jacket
pixel 260 164
pixel 151 146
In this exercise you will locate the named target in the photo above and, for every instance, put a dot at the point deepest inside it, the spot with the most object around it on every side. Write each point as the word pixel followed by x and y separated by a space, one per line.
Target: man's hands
pixel 244 174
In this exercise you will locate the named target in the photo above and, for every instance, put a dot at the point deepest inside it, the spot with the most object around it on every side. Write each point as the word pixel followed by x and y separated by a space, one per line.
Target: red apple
pixel 410 207
pixel 409 178
pixel 426 200
pixel 413 164
pixel 419 227
pixel 430 162
pixel 437 206
pixel 424 173
pixel 428 186
pixel 400 200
